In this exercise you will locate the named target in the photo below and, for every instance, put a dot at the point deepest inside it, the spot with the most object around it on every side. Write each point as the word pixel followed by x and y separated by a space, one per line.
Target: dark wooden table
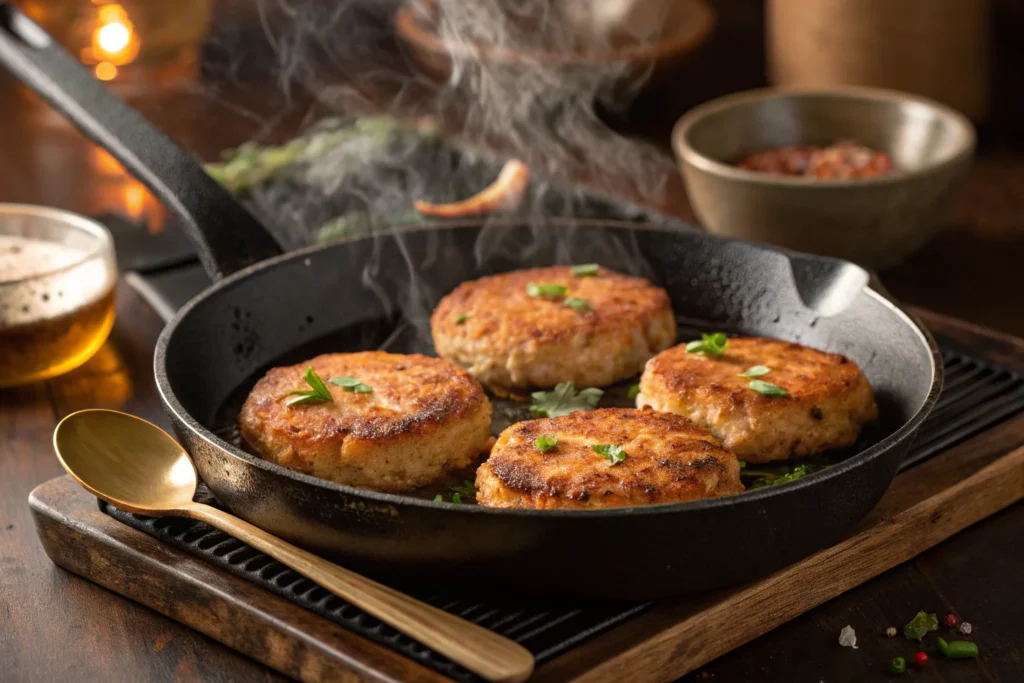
pixel 55 626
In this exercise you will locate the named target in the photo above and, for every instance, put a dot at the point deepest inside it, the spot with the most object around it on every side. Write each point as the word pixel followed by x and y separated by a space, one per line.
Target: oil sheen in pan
pixel 402 337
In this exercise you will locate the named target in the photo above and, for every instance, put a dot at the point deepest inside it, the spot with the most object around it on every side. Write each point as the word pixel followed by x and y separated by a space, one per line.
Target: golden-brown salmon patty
pixel 544 326
pixel 828 400
pixel 412 419
pixel 611 457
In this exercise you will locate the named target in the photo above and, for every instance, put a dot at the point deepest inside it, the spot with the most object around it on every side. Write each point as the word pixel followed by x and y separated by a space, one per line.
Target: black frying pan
pixel 267 308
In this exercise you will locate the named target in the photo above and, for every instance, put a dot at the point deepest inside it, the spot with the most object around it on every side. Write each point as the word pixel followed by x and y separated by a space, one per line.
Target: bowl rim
pixel 69 219
pixel 412 31
pixel 689 155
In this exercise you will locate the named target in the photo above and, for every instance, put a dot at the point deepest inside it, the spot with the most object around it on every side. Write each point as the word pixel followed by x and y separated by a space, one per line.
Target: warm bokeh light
pixel 114 41
pixel 135 199
pixel 105 71
pixel 113 38
pixel 103 162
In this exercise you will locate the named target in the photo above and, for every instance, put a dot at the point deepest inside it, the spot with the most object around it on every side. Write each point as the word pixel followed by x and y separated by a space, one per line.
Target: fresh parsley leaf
pixel 546 290
pixel 319 393
pixel 709 344
pixel 564 399
pixel 545 443
pixel 466 488
pixel 613 453
pixel 768 389
pixel 766 478
pixel 920 625
pixel 351 384
pixel 577 304
pixel 756 371
pixel 461 318
pixel 634 391
pixel 585 269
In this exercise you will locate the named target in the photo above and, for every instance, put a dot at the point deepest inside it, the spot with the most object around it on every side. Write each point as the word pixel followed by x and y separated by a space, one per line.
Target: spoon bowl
pixel 126 461
pixel 138 467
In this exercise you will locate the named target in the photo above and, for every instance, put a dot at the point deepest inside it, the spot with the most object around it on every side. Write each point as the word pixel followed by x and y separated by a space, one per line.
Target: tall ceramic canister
pixel 935 48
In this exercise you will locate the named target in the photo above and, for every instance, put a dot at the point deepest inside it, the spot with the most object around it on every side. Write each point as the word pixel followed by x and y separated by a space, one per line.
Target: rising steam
pixel 540 106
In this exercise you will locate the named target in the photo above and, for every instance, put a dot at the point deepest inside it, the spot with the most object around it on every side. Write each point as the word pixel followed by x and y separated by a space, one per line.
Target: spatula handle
pixel 483 652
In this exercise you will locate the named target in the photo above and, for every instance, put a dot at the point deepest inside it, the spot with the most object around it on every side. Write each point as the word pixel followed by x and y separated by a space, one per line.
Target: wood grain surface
pixel 923 507
pixel 56 626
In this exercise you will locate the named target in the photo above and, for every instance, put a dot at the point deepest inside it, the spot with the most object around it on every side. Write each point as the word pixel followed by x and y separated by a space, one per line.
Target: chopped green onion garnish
pixel 457 498
pixel 634 391
pixel 461 318
pixel 351 384
pixel 709 344
pixel 897 665
pixel 743 464
pixel 319 393
pixel 577 304
pixel 545 290
pixel 613 453
pixel 439 498
pixel 585 269
pixel 756 371
pixel 767 388
pixel 545 442
pixel 958 649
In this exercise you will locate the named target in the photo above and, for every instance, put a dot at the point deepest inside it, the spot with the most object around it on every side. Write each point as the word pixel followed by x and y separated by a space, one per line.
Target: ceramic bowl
pixel 874 221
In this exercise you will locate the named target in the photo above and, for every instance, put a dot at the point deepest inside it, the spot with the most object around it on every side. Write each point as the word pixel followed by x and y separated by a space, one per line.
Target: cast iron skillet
pixel 267 308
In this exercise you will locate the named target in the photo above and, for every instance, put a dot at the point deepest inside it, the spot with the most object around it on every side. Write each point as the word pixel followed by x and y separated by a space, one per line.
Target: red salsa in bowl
pixel 843 160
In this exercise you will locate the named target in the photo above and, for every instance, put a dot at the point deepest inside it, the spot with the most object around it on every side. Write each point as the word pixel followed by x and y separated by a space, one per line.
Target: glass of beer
pixel 57 278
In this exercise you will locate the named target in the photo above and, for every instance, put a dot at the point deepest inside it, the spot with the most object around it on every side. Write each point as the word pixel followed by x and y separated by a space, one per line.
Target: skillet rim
pixel 906 431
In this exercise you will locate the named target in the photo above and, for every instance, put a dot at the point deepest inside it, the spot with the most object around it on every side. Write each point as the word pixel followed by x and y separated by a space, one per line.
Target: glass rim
pixel 68 219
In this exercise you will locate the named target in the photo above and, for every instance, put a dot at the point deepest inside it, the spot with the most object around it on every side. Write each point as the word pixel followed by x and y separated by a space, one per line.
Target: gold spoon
pixel 140 468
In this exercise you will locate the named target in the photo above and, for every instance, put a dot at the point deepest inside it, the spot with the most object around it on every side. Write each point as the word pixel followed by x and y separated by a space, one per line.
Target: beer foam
pixel 28 294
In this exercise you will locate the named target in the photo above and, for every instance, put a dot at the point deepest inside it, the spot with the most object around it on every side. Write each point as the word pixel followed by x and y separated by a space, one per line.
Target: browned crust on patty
pixel 829 397
pixel 668 460
pixel 503 328
pixel 415 400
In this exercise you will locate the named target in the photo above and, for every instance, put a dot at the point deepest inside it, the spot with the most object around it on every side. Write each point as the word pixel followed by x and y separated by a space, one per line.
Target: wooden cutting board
pixel 924 506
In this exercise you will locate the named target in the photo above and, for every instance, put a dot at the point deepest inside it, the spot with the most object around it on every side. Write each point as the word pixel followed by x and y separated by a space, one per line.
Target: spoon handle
pixel 483 652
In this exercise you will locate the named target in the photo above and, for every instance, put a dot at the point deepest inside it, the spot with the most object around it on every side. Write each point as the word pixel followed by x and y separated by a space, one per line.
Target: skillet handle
pixel 227 236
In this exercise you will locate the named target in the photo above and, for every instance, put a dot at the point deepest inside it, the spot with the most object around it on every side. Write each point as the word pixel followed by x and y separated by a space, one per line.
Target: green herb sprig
pixel 317 393
pixel 466 489
pixel 563 400
pixel 351 384
pixel 768 389
pixel 545 442
pixel 766 478
pixel 709 344
pixel 613 453
pixel 577 304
